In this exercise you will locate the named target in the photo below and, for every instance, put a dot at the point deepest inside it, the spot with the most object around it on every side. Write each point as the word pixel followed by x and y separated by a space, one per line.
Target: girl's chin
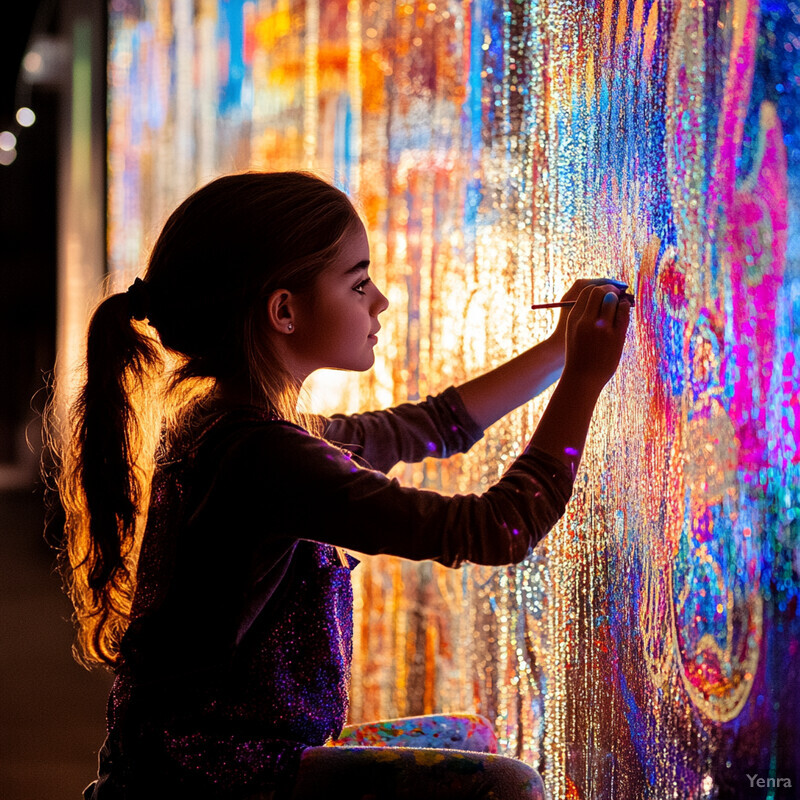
pixel 362 365
pixel 369 362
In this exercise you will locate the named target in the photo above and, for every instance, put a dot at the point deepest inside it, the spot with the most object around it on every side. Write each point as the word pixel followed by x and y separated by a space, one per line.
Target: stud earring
pixel 290 327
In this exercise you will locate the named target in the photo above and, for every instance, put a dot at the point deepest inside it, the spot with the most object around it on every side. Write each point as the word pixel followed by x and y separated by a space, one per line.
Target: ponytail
pixel 104 476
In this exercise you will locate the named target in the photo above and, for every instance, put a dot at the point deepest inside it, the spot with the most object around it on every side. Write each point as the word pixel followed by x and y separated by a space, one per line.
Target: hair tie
pixel 138 300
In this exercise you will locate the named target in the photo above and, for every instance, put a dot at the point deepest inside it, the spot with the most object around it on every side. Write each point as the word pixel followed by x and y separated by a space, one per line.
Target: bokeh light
pixel 32 62
pixel 7 141
pixel 25 117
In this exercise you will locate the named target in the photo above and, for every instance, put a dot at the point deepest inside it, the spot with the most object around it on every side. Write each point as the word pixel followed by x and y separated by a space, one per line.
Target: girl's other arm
pixel 491 396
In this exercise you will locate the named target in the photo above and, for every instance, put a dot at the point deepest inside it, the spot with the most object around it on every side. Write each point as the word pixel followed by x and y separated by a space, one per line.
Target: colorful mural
pixel 499 149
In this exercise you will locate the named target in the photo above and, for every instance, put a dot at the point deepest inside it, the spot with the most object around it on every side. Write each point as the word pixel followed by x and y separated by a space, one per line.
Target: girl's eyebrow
pixel 362 265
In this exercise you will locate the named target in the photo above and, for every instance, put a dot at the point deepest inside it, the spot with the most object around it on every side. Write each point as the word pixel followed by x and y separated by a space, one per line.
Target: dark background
pixel 51 710
pixel 27 244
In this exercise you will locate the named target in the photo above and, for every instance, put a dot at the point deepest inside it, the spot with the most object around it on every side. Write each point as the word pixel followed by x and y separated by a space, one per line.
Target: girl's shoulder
pixel 215 430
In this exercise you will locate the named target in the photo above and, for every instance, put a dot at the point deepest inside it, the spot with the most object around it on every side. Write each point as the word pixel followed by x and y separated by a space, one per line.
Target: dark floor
pixel 51 709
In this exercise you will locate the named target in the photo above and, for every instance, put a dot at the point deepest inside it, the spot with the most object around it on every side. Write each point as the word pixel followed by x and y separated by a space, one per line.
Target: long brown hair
pixel 219 255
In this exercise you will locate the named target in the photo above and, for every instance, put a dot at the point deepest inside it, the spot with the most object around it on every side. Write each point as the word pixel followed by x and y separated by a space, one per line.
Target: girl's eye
pixel 359 287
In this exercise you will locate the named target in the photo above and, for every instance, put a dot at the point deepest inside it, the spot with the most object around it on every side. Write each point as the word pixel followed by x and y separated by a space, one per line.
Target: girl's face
pixel 337 323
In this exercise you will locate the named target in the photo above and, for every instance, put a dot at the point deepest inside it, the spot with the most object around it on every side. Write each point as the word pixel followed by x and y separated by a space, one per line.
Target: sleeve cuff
pixel 473 431
pixel 562 477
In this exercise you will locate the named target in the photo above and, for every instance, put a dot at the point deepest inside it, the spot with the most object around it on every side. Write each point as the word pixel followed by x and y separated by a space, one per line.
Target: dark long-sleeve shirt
pixel 238 651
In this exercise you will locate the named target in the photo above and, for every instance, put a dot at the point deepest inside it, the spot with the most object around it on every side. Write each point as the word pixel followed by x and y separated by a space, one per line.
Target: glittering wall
pixel 498 150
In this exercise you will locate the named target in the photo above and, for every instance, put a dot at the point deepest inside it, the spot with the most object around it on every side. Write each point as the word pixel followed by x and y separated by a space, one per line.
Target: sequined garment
pixel 237 655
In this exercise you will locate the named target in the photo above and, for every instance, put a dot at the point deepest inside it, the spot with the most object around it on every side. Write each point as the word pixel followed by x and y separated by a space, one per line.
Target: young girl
pixel 210 570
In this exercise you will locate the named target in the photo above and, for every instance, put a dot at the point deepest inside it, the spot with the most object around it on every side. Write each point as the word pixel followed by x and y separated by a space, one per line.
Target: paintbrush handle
pixel 563 304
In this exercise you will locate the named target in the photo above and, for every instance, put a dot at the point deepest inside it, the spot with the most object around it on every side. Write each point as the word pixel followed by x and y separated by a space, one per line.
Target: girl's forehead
pixel 355 245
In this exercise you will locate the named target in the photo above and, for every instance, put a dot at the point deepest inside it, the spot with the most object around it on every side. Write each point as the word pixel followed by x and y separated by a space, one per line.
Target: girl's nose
pixel 380 303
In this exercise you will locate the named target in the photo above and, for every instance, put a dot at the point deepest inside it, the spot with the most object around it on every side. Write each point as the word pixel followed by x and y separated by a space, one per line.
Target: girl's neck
pixel 234 392
pixel 242 392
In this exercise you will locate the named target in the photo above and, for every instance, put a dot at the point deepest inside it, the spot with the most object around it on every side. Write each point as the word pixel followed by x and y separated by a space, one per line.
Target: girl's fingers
pixel 608 309
pixel 583 283
pixel 621 285
pixel 581 304
pixel 623 313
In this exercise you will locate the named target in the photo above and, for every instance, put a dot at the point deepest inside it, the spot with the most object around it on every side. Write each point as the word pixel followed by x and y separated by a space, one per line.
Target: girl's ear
pixel 280 311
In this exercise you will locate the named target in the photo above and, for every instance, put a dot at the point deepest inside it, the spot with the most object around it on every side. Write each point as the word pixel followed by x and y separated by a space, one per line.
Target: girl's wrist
pixel 555 349
pixel 578 385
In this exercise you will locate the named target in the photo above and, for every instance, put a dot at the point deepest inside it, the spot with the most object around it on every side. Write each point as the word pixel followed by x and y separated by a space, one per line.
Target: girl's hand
pixel 595 335
pixel 559 336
